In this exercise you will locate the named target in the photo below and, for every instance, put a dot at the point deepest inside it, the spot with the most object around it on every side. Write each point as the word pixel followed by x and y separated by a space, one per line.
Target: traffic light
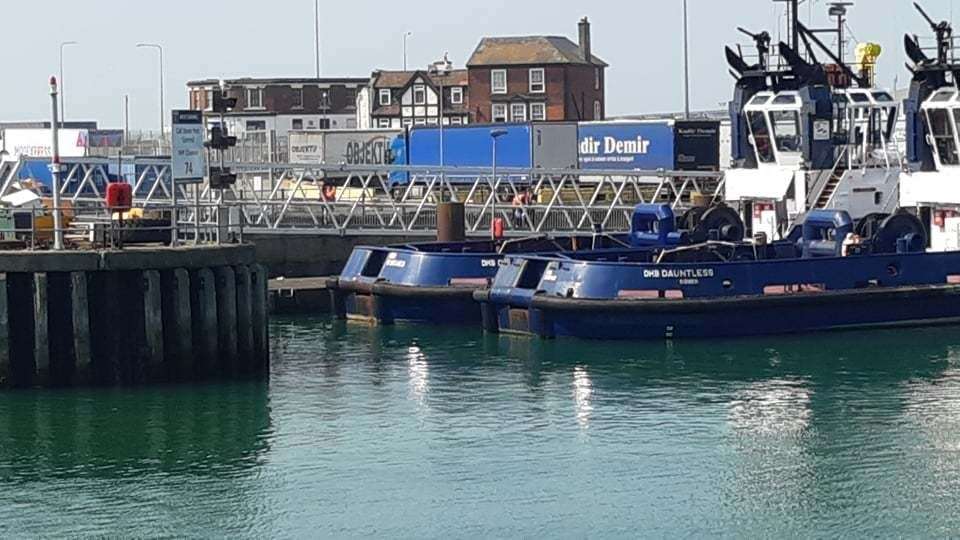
pixel 222 177
pixel 223 103
pixel 220 139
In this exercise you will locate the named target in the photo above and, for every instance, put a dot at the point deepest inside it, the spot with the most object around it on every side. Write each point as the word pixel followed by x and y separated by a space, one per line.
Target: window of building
pixel 297 98
pixel 350 97
pixel 324 98
pixel 518 112
pixel 420 122
pixel 419 95
pixel 597 110
pixel 499 112
pixel 431 121
pixel 537 82
pixel 256 125
pixel 209 100
pixel 597 76
pixel 407 122
pixel 385 96
pixel 297 123
pixel 455 121
pixel 383 122
pixel 538 112
pixel 254 98
pixel 498 81
pixel 456 95
pixel 324 123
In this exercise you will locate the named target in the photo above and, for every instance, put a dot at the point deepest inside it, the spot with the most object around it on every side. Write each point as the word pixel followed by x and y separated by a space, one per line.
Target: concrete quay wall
pixel 132 317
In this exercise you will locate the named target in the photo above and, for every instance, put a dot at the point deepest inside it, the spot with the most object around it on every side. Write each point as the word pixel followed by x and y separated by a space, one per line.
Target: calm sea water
pixel 429 433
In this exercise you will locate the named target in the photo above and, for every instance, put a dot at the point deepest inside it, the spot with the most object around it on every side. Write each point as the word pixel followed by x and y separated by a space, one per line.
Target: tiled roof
pixel 529 50
pixel 400 79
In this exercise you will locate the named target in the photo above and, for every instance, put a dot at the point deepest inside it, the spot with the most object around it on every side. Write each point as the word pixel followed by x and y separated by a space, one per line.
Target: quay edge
pixel 136 316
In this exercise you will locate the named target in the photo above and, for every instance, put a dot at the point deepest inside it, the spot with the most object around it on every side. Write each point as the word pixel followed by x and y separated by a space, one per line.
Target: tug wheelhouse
pixel 809 136
pixel 931 184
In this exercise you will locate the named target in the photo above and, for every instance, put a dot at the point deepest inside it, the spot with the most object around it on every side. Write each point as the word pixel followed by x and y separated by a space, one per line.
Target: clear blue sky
pixel 641 40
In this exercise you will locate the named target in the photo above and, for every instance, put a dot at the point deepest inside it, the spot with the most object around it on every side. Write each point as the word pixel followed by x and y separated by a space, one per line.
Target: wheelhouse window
pixel 761 136
pixel 786 130
pixel 941 128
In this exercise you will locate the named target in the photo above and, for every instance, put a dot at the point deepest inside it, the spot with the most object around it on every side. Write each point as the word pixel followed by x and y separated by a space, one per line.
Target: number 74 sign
pixel 188 160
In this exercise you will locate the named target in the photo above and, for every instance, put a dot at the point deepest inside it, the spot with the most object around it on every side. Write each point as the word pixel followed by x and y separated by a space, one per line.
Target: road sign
pixel 189 163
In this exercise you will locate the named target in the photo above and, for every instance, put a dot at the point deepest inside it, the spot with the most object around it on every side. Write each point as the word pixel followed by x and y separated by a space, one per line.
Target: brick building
pixel 397 99
pixel 536 78
pixel 280 105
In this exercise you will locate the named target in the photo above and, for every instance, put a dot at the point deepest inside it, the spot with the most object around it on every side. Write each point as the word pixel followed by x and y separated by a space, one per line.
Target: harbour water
pixel 437 433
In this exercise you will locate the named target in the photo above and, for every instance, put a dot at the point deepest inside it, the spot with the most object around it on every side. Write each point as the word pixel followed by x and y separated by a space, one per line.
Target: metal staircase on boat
pixel 826 194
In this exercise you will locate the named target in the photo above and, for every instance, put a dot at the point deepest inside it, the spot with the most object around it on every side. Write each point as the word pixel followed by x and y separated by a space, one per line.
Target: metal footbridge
pixel 288 198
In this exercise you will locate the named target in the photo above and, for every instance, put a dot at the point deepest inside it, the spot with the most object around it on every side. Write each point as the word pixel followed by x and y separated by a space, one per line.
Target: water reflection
pixel 775 407
pixel 211 430
pixel 582 394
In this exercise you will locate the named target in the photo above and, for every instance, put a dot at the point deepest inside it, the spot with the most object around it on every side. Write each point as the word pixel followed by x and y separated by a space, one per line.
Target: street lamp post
pixel 440 70
pixel 316 34
pixel 159 49
pixel 63 109
pixel 686 64
pixel 495 134
pixel 405 36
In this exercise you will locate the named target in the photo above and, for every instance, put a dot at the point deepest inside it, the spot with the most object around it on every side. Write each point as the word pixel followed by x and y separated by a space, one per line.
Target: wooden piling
pixel 203 304
pixel 244 319
pixel 4 333
pixel 153 325
pixel 80 316
pixel 258 296
pixel 177 324
pixel 41 336
pixel 227 318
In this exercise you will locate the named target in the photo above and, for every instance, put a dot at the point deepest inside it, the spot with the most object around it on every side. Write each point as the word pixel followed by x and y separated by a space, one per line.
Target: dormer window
pixel 254 98
pixel 384 97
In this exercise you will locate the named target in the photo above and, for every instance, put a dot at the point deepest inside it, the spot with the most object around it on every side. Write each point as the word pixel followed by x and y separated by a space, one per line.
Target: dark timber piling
pixel 131 317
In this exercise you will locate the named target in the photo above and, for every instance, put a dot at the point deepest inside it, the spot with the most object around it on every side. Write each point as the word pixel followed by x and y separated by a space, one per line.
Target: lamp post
pixel 440 69
pixel 495 134
pixel 159 49
pixel 686 65
pixel 405 36
pixel 316 33
pixel 63 109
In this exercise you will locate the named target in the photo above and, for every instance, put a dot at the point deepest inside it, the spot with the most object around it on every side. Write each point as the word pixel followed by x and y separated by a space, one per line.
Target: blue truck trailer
pixel 524 146
pixel 650 145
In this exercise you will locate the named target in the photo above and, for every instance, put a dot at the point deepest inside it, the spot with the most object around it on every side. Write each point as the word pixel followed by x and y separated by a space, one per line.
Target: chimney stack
pixel 585 40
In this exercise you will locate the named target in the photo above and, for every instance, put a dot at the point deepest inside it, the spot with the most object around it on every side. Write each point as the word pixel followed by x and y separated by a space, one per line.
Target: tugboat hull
pixel 733 317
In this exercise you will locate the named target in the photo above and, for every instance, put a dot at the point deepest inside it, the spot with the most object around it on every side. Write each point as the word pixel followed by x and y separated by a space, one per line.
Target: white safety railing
pixel 297 198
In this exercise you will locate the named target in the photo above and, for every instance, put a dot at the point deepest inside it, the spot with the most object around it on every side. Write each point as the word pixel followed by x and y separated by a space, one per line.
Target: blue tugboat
pixel 822 278
pixel 434 282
